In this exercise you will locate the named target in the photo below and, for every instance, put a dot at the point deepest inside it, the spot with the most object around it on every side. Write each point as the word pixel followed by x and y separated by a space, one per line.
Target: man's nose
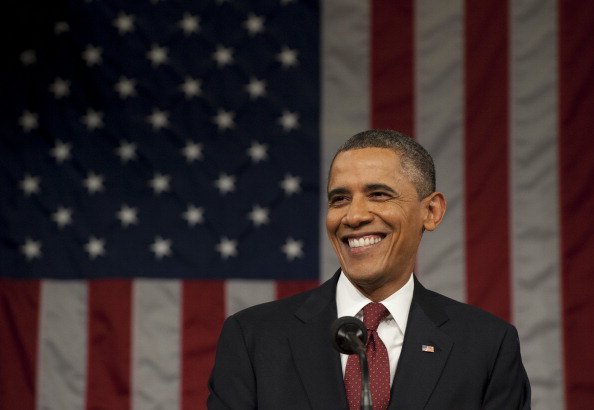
pixel 357 213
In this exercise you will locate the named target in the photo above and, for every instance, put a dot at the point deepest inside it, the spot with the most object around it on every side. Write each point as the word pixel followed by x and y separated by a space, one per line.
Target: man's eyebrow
pixel 368 188
pixel 380 187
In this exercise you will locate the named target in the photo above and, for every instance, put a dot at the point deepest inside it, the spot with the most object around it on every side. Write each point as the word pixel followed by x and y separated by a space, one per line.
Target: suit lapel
pixel 418 371
pixel 317 363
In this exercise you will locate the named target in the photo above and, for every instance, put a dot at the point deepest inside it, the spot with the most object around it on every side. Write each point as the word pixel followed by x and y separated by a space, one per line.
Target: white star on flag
pixel 28 121
pixel 223 56
pixel 291 184
pixel 93 119
pixel 161 247
pixel 256 88
pixel 189 24
pixel 95 247
pixel 61 27
pixel 28 57
pixel 125 87
pixel 31 249
pixel 254 24
pixel 289 120
pixel 94 183
pixel 225 183
pixel 60 88
pixel 192 151
pixel 124 23
pixel 157 55
pixel 160 183
pixel 62 217
pixel 61 151
pixel 30 184
pixel 287 57
pixel 191 87
pixel 224 120
pixel 258 152
pixel 258 215
pixel 293 249
pixel 126 151
pixel 158 119
pixel 227 248
pixel 193 215
pixel 127 216
pixel 92 55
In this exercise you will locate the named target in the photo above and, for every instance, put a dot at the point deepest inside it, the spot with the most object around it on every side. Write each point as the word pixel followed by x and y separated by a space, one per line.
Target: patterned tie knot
pixel 373 313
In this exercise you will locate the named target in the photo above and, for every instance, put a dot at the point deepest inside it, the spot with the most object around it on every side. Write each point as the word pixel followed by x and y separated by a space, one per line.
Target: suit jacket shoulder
pixel 458 356
pixel 279 355
pixel 442 309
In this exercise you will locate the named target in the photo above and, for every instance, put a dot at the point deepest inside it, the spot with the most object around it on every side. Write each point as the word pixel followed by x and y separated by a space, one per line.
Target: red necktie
pixel 377 358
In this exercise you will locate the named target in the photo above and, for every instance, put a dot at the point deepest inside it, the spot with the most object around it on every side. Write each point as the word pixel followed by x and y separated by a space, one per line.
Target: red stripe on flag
pixel 285 288
pixel 576 154
pixel 392 63
pixel 486 156
pixel 109 344
pixel 19 317
pixel 203 313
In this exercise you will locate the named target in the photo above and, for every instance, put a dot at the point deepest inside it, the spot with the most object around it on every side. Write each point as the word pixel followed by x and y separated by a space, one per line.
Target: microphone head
pixel 347 326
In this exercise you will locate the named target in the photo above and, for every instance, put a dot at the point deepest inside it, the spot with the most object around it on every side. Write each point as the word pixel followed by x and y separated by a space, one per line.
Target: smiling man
pixel 379 205
pixel 425 351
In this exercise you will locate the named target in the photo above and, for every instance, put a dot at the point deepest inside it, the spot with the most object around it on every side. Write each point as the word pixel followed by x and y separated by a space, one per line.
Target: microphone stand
pixel 365 391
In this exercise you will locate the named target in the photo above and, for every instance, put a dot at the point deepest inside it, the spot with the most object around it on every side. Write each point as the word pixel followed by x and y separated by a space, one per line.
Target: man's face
pixel 375 219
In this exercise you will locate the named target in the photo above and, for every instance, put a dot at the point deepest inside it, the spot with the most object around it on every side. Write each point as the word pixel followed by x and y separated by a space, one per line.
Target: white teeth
pixel 365 241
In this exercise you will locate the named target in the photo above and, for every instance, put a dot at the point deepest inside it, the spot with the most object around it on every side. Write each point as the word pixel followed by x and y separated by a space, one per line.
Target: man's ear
pixel 434 207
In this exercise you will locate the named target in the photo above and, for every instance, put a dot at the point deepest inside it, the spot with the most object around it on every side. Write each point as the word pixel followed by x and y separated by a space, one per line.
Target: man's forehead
pixel 365 168
pixel 356 159
pixel 360 155
pixel 368 151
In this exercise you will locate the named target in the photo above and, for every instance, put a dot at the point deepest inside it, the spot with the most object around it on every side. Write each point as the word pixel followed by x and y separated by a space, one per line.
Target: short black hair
pixel 416 162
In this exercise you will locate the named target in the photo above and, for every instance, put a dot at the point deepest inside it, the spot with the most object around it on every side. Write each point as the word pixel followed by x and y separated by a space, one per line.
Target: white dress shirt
pixel 350 302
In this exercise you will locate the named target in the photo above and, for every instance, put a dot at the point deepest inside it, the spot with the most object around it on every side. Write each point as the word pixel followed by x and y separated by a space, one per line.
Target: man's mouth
pixel 362 241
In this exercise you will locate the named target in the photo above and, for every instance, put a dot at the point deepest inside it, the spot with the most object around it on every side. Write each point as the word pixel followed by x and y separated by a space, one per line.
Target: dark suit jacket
pixel 279 355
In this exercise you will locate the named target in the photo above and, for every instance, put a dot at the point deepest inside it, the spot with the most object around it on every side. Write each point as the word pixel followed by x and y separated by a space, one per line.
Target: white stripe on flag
pixel 61 371
pixel 345 93
pixel 241 294
pixel 439 125
pixel 156 341
pixel 535 189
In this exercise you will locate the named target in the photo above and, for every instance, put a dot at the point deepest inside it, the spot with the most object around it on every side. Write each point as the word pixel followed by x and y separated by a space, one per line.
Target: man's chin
pixel 364 278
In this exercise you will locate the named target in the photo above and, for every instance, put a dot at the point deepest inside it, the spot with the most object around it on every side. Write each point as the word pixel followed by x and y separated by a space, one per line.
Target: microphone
pixel 349 336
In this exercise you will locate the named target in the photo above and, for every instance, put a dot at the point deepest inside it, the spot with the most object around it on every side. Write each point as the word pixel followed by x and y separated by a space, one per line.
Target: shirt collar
pixel 350 301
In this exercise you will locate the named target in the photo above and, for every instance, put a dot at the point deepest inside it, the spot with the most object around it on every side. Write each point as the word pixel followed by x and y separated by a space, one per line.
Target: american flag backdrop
pixel 163 165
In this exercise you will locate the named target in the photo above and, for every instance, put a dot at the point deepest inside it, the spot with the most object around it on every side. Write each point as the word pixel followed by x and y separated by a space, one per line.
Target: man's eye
pixel 379 195
pixel 337 200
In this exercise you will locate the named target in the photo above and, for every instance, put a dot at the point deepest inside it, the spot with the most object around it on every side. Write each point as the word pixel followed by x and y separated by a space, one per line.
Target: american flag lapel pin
pixel 428 348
